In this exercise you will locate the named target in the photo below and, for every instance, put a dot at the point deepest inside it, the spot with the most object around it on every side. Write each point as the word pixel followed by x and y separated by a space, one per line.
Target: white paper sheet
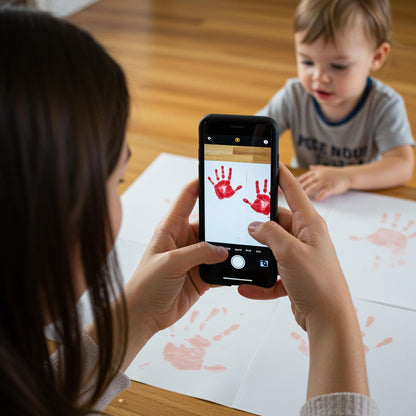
pixel 375 238
pixel 252 355
pixel 148 199
pixel 129 254
pixel 276 380
pixel 207 352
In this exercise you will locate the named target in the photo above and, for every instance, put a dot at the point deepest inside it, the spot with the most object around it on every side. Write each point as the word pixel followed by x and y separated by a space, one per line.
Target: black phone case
pixel 213 274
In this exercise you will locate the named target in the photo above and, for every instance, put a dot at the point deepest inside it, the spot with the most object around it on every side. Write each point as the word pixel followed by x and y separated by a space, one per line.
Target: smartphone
pixel 238 183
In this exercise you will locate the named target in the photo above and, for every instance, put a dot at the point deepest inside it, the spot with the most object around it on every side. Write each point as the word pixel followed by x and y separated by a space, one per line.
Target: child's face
pixel 336 74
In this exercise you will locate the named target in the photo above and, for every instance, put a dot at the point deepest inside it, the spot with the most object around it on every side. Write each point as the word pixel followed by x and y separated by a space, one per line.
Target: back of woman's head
pixel 63 111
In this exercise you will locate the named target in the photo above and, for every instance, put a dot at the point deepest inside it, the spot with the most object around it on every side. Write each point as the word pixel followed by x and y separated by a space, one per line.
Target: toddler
pixel 350 130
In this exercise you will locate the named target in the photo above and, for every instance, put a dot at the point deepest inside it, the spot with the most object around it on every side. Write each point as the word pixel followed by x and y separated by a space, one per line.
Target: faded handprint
pixel 262 201
pixel 223 188
pixel 386 341
pixel 304 346
pixel 391 239
pixel 190 355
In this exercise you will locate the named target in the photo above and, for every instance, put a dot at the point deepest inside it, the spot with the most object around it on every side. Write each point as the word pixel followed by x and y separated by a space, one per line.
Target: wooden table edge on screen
pixel 143 399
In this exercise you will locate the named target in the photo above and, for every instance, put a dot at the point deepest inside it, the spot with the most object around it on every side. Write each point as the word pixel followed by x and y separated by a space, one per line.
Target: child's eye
pixel 307 63
pixel 338 67
pixel 121 180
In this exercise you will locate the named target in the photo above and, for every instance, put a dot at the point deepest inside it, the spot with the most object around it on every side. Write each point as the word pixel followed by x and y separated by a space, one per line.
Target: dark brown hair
pixel 325 18
pixel 63 111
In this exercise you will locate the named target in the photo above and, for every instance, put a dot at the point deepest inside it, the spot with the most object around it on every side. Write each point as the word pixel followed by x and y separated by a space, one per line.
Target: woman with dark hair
pixel 63 111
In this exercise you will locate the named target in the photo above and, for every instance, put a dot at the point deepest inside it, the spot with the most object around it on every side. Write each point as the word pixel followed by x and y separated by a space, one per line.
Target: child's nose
pixel 320 75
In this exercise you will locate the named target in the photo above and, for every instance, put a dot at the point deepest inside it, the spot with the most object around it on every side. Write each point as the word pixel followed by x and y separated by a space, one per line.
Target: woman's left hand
pixel 167 282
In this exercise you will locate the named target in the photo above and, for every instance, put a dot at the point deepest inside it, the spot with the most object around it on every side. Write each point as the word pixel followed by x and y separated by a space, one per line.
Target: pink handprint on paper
pixel 303 346
pixel 386 341
pixel 190 355
pixel 223 188
pixel 391 239
pixel 262 201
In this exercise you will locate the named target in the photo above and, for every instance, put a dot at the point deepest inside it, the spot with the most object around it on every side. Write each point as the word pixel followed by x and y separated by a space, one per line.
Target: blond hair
pixel 325 18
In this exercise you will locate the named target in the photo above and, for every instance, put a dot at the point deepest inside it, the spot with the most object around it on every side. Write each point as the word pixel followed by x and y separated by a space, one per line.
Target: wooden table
pixel 142 399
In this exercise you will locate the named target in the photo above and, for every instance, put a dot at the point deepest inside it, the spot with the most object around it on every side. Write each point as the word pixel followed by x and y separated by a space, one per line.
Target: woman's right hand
pixel 311 276
pixel 307 263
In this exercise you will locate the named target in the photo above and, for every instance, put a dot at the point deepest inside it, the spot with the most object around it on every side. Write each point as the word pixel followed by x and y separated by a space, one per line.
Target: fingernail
pixel 253 226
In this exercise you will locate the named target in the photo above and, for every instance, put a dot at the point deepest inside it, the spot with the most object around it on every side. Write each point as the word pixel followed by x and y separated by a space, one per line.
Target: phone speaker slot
pixel 236 278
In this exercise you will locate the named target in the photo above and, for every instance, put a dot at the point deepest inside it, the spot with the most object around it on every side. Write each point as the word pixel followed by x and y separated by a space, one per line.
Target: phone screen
pixel 238 185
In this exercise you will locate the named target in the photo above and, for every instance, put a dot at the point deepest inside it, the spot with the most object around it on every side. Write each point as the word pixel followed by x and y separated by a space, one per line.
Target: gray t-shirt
pixel 378 123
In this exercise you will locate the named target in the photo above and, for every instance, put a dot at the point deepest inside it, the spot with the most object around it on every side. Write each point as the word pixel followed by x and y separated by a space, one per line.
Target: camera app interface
pixel 237 188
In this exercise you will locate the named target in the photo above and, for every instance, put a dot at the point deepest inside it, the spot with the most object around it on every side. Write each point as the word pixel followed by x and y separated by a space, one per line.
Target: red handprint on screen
pixel 262 202
pixel 223 188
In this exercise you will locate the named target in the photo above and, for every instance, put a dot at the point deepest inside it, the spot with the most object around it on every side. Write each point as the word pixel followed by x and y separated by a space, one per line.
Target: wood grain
pixel 185 59
pixel 246 154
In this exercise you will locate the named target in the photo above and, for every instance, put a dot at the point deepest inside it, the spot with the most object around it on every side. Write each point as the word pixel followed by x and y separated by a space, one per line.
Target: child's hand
pixel 323 181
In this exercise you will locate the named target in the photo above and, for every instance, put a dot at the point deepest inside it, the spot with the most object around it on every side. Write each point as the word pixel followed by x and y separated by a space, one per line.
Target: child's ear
pixel 380 56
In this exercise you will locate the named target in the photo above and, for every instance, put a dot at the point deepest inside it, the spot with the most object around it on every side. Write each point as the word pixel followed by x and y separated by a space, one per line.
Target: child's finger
pixel 307 175
pixel 304 176
pixel 312 188
pixel 324 193
pixel 314 167
pixel 309 179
